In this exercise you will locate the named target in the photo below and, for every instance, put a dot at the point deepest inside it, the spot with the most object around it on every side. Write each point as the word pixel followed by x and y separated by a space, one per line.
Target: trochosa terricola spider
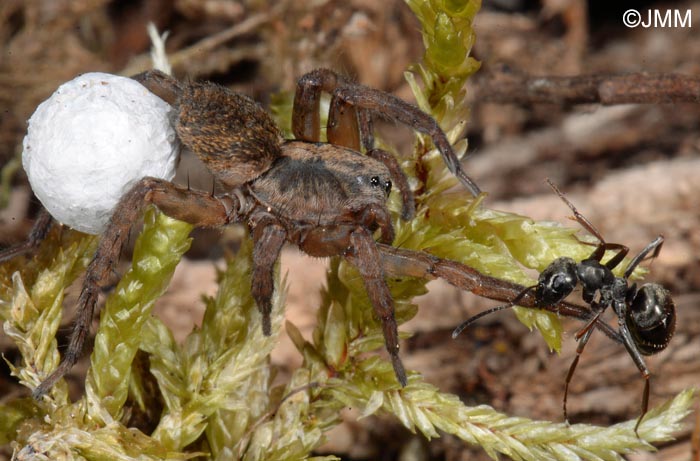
pixel 326 198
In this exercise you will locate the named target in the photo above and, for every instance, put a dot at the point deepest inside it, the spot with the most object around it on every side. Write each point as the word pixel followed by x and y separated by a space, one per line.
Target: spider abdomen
pixel 230 132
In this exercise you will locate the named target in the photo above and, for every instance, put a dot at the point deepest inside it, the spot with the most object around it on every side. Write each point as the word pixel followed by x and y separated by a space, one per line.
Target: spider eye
pixel 375 181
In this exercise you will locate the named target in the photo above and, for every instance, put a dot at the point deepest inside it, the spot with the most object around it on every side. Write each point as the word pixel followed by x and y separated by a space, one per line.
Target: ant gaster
pixel 646 315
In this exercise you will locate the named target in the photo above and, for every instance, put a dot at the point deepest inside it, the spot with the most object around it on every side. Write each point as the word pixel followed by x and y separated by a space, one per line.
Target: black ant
pixel 646 316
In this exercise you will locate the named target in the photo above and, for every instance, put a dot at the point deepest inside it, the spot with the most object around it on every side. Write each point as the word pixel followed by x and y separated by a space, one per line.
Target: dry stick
pixel 604 89
pixel 216 40
pixel 207 44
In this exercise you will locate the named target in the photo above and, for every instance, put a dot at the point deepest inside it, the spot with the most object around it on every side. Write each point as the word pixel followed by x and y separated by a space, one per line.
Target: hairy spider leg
pixel 401 262
pixel 344 127
pixel 367 259
pixel 39 231
pixel 268 238
pixel 396 109
pixel 348 125
pixel 198 208
pixel 362 99
pixel 166 87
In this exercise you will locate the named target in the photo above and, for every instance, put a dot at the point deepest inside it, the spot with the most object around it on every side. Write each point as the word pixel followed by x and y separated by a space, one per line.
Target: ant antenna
pixel 476 317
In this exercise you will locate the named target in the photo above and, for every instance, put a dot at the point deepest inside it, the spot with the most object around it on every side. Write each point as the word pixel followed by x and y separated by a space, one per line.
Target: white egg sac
pixel 91 141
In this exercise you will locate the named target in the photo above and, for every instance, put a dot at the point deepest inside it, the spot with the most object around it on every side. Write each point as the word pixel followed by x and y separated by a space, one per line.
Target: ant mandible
pixel 646 316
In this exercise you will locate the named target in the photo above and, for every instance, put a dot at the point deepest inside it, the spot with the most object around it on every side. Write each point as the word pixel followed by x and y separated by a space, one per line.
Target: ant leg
pixel 628 341
pixel 617 259
pixel 366 257
pixel 584 335
pixel 268 238
pixel 654 245
pixel 582 220
pixel 590 323
pixel 199 208
pixel 639 361
pixel 38 234
pixel 603 246
pixel 399 177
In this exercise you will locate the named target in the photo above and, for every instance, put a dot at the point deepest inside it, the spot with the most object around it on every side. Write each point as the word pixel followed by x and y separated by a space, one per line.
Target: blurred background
pixel 632 169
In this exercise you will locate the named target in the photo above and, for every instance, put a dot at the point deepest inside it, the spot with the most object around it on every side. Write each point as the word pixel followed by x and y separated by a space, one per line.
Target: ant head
pixel 556 282
pixel 651 318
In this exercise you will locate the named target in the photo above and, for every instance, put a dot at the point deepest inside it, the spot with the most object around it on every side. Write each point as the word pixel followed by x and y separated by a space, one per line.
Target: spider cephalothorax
pixel 326 198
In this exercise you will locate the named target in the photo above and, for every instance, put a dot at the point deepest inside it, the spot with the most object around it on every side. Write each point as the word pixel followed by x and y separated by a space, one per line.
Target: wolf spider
pixel 326 198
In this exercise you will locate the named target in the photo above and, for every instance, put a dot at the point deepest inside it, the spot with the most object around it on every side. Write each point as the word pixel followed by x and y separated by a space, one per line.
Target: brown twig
pixel 207 44
pixel 639 88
